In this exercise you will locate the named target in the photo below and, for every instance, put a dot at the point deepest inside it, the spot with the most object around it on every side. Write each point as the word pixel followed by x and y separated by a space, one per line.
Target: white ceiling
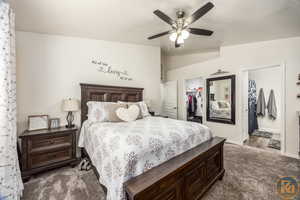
pixel 132 21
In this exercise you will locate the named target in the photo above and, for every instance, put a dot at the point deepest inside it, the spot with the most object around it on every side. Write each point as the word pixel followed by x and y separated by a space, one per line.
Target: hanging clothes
pixel 192 105
pixel 272 109
pixel 261 103
pixel 199 111
pixel 252 118
pixel 195 104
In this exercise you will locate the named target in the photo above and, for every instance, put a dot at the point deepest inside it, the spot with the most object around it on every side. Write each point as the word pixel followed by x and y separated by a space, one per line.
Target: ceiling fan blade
pixel 198 31
pixel 164 17
pixel 199 13
pixel 159 35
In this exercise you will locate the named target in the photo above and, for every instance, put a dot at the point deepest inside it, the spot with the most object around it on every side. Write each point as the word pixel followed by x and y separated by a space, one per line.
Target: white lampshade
pixel 185 34
pixel 180 40
pixel 70 105
pixel 173 37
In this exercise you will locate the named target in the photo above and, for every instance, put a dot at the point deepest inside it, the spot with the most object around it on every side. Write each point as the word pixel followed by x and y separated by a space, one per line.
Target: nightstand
pixel 47 149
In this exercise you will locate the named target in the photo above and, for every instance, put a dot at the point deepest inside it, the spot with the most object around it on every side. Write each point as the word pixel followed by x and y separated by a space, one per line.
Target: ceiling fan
pixel 180 27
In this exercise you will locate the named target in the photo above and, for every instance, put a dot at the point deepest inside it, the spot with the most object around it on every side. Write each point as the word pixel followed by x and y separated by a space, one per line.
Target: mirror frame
pixel 221 120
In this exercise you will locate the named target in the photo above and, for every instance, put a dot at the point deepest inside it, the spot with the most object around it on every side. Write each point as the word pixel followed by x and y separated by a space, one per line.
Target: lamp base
pixel 70 119
pixel 70 126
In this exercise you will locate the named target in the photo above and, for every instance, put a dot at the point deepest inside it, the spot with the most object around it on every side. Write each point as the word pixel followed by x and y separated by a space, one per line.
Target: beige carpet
pixel 251 174
pixel 260 142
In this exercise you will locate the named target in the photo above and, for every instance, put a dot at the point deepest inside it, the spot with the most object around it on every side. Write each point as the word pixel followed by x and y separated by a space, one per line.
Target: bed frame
pixel 185 177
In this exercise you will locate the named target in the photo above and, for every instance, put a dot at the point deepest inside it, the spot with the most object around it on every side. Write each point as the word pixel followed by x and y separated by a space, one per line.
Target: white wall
pixel 235 58
pixel 50 68
pixel 191 84
pixel 268 79
pixel 177 61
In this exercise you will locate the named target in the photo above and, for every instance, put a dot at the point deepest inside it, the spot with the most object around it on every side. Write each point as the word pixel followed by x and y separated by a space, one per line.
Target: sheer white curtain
pixel 11 185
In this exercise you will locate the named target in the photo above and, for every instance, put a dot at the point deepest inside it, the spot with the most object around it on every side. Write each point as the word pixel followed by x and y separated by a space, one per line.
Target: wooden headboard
pixel 91 92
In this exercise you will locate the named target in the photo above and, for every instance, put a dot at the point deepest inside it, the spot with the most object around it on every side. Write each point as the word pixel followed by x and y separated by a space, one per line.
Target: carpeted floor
pixel 264 134
pixel 261 142
pixel 251 174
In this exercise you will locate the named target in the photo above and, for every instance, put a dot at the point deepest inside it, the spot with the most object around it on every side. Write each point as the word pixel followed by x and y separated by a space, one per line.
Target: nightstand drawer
pixel 40 160
pixel 39 142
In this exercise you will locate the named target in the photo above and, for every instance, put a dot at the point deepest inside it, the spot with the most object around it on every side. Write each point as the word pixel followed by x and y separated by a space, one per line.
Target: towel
pixel 261 104
pixel 272 109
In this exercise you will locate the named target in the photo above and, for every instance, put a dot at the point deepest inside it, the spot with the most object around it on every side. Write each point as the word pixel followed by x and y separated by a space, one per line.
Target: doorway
pixel 264 107
pixel 169 104
pixel 194 99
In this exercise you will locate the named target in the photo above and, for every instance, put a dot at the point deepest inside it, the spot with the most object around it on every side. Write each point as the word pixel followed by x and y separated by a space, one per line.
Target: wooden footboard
pixel 185 177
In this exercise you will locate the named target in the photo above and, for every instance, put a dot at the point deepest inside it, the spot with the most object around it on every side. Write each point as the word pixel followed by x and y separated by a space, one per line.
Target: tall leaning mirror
pixel 221 99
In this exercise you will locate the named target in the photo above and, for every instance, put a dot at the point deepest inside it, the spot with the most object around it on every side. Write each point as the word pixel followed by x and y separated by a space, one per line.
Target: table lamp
pixel 70 105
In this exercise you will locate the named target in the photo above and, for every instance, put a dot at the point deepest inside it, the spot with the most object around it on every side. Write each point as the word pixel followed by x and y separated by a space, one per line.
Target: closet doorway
pixel 194 99
pixel 264 107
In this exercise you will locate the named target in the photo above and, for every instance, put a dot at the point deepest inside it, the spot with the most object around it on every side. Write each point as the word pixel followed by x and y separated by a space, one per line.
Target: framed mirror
pixel 220 103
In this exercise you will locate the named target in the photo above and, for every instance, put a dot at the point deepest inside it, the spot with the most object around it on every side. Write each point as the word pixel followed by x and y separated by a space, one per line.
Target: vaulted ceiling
pixel 132 21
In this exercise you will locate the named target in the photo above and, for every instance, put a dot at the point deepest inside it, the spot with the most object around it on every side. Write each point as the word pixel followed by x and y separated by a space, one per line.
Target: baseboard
pixel 291 155
pixel 233 142
pixel 274 131
pixel 284 154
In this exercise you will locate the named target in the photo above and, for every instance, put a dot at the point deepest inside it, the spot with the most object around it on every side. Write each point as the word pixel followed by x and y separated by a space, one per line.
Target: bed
pixel 151 158
pixel 217 111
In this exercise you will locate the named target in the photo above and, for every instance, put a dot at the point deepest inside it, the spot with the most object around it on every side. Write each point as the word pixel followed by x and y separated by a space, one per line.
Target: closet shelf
pixel 194 91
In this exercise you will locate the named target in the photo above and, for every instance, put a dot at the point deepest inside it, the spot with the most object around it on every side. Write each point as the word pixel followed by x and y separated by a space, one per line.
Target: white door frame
pixel 283 99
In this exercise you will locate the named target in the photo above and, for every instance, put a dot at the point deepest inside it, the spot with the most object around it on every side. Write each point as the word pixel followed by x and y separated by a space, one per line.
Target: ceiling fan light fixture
pixel 180 27
pixel 180 39
pixel 185 34
pixel 173 37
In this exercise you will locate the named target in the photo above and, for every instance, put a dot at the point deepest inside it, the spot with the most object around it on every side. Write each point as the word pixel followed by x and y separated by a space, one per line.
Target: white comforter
pixel 124 150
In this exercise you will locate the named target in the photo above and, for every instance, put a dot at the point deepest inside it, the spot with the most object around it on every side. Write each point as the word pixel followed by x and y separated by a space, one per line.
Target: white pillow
pixel 214 105
pixel 103 111
pixel 96 111
pixel 128 114
pixel 143 108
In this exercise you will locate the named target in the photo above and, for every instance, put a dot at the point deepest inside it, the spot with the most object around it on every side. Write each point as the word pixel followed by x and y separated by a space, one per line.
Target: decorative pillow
pixel 222 105
pixel 96 111
pixel 143 108
pixel 103 111
pixel 110 109
pixel 128 114
pixel 132 103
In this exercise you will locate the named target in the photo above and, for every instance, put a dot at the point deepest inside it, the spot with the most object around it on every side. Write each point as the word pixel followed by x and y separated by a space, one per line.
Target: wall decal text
pixel 109 69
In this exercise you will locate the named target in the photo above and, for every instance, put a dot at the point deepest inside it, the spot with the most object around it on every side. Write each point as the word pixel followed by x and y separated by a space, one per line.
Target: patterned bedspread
pixel 124 150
